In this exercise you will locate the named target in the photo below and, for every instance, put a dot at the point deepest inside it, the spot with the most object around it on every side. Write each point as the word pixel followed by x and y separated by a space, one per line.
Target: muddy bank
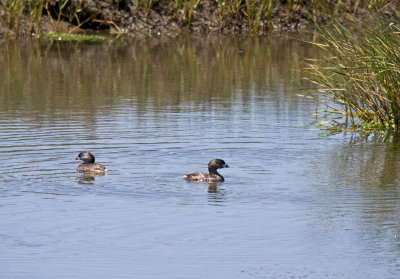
pixel 159 17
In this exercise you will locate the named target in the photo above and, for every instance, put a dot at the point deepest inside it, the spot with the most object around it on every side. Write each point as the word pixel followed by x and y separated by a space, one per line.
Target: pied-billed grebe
pixel 211 176
pixel 88 165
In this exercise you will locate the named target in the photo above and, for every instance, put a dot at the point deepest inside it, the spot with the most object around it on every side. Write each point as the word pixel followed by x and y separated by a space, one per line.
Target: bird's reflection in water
pixel 88 178
pixel 216 195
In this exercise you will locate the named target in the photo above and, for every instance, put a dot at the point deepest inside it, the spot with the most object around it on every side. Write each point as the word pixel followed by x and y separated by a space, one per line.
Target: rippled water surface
pixel 296 203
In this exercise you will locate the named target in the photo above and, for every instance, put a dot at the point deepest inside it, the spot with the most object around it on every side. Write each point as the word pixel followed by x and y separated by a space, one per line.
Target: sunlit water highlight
pixel 296 203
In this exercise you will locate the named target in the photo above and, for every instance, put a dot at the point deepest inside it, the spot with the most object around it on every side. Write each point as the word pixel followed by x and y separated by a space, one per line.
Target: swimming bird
pixel 211 176
pixel 88 165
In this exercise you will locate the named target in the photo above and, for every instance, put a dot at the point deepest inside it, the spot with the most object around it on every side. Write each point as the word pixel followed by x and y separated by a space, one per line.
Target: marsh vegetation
pixel 173 16
pixel 360 77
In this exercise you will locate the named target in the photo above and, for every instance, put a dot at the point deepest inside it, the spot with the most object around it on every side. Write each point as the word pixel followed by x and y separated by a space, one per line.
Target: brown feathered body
pixel 89 165
pixel 212 176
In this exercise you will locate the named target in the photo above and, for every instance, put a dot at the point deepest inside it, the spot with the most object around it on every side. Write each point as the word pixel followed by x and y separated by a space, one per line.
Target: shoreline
pixel 125 17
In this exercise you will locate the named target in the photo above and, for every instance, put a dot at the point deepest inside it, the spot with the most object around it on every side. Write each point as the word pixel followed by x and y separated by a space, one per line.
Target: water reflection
pixel 369 164
pixel 216 194
pixel 213 187
pixel 361 191
pixel 88 178
pixel 191 71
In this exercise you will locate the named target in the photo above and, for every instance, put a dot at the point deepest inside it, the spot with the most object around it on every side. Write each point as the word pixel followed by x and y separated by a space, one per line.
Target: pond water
pixel 296 203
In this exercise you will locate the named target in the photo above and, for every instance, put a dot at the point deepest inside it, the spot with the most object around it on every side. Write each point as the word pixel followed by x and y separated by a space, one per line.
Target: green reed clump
pixel 35 13
pixel 10 13
pixel 360 79
pixel 183 9
pixel 256 10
